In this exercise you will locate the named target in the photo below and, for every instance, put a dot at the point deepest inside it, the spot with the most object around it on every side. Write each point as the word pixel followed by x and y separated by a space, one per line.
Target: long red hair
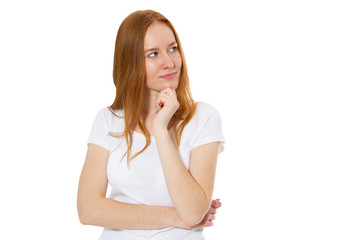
pixel 129 78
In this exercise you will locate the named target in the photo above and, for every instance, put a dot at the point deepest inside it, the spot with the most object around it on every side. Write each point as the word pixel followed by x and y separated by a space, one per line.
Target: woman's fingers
pixel 162 100
pixel 166 105
pixel 216 203
pixel 170 92
pixel 209 224
pixel 167 97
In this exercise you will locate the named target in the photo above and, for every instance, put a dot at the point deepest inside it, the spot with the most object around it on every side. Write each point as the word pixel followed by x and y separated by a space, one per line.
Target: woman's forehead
pixel 158 35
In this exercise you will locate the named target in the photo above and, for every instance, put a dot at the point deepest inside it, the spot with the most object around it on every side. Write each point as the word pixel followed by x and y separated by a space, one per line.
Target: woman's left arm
pixel 191 191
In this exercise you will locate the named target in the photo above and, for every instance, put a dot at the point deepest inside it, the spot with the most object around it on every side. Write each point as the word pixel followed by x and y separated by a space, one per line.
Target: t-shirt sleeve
pixel 208 129
pixel 100 129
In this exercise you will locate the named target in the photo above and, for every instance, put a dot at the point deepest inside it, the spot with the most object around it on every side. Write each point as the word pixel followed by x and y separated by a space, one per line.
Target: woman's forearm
pixel 109 213
pixel 189 198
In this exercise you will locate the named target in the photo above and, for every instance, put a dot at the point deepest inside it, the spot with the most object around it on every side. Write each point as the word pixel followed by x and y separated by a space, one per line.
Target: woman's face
pixel 162 58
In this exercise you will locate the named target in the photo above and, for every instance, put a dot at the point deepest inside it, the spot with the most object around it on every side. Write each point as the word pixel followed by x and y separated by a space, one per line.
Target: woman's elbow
pixel 87 209
pixel 84 213
pixel 195 216
pixel 83 220
pixel 83 217
pixel 192 219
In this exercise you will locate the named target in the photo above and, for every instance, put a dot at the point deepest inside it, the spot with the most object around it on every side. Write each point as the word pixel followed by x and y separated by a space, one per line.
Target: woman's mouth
pixel 168 76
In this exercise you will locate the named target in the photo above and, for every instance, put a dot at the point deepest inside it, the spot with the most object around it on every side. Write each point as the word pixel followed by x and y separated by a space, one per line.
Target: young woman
pixel 154 145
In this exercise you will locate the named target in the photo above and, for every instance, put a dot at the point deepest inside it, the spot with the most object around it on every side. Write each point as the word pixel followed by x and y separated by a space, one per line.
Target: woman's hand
pixel 209 217
pixel 166 105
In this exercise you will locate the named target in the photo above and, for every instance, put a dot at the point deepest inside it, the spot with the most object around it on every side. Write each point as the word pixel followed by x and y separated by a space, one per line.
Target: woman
pixel 164 188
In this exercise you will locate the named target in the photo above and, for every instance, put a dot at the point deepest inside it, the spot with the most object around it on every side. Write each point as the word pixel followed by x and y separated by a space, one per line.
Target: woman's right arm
pixel 95 209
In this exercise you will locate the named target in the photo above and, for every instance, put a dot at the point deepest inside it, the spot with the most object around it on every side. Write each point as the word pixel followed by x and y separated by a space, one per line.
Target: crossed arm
pixel 190 191
pixel 189 211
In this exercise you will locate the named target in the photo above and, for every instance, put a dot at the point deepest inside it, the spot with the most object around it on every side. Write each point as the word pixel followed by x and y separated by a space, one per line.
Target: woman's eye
pixel 153 54
pixel 173 49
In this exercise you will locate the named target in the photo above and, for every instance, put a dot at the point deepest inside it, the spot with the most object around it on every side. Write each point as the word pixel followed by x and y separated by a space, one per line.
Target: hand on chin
pixel 166 104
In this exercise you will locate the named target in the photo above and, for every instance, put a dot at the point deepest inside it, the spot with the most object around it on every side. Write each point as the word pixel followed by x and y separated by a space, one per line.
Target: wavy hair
pixel 129 78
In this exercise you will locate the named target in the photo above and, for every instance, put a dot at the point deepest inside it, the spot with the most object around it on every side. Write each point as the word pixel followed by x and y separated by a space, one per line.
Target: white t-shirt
pixel 143 181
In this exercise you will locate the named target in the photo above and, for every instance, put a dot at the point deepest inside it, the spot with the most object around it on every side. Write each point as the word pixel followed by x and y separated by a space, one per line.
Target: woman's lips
pixel 168 76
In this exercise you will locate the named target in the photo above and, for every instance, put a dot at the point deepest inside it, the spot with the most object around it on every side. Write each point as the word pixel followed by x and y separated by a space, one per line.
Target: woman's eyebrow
pixel 150 49
pixel 154 49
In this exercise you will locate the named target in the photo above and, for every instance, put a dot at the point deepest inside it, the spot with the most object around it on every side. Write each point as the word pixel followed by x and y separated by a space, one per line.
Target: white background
pixel 284 76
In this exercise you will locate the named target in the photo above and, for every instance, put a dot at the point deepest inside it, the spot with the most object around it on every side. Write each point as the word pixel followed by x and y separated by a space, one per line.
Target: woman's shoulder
pixel 204 127
pixel 111 114
pixel 115 113
pixel 205 110
pixel 203 113
pixel 110 118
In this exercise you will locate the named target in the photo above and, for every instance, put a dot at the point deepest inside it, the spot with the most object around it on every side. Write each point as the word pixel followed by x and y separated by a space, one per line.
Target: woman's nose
pixel 167 61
